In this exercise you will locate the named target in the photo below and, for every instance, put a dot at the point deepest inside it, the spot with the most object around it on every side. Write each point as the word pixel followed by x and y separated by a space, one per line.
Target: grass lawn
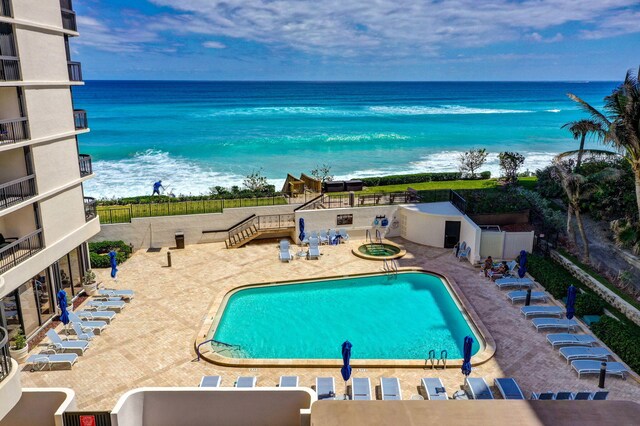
pixel 526 182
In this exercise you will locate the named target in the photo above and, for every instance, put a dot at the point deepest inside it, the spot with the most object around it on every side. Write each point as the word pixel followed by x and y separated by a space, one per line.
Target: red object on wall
pixel 87 420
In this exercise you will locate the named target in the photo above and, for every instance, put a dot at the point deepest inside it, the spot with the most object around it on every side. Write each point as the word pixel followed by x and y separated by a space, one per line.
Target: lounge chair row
pixel 571 396
pixel 326 237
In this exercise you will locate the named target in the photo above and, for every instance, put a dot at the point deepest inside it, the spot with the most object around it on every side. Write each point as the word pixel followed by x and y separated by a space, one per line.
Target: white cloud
pixel 539 38
pixel 213 45
pixel 102 36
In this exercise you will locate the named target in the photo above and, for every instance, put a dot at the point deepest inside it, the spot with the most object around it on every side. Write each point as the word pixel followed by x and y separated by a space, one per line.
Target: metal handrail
pixel 86 167
pixel 458 201
pixel 5 8
pixel 20 250
pixel 312 201
pixel 80 119
pixel 69 20
pixel 17 191
pixel 14 130
pixel 5 359
pixel 90 208
pixel 75 71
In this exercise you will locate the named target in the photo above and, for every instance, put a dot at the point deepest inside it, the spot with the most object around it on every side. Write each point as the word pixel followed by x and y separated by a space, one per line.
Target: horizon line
pixel 357 81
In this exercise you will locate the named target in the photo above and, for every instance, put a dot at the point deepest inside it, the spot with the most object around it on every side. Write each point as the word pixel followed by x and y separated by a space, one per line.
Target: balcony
pixel 5 8
pixel 75 71
pixel 86 168
pixel 17 191
pixel 9 68
pixel 5 360
pixel 90 208
pixel 69 20
pixel 80 119
pixel 66 4
pixel 15 251
pixel 14 130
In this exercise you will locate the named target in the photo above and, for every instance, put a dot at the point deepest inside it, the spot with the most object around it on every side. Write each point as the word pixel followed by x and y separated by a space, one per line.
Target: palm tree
pixel 621 123
pixel 580 129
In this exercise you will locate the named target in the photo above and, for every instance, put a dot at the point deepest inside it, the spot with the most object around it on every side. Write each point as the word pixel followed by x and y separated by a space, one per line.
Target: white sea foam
pixel 554 110
pixel 441 110
pixel 366 137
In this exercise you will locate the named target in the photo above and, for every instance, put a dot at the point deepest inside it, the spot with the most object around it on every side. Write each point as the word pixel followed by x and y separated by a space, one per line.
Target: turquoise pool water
pixel 383 316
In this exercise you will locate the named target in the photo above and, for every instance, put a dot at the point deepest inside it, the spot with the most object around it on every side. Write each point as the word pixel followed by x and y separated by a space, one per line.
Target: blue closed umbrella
pixel 523 264
pixel 114 264
pixel 466 355
pixel 346 368
pixel 301 226
pixel 572 292
pixel 62 304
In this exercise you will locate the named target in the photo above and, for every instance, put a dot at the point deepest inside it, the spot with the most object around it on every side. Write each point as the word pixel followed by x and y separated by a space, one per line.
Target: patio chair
pixel 284 245
pixel 343 234
pixel 434 389
pixel 6 241
pixel 246 382
pixel 107 316
pixel 325 388
pixel 314 249
pixel 360 389
pixel 599 396
pixel 543 396
pixel 285 255
pixel 82 332
pixel 210 381
pixel 288 382
pixel 509 388
pixel 40 361
pixel 566 339
pixel 521 296
pixel 572 353
pixel 544 323
pixel 464 254
pixel 478 388
pixel 581 396
pixel 112 305
pixel 514 282
pixel 95 326
pixel 332 236
pixel 390 388
pixel 564 396
pixel 593 367
pixel 529 311
pixel 324 238
pixel 66 345
pixel 126 295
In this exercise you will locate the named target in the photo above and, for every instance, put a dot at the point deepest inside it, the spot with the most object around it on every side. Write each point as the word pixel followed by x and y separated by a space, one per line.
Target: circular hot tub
pixel 379 251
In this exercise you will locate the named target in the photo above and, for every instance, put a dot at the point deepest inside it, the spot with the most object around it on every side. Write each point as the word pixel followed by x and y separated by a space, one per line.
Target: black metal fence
pixel 20 250
pixel 90 208
pixel 5 359
pixel 75 71
pixel 17 191
pixel 457 200
pixel 86 167
pixel 9 69
pixel 5 8
pixel 82 418
pixel 69 20
pixel 66 4
pixel 15 130
pixel 80 119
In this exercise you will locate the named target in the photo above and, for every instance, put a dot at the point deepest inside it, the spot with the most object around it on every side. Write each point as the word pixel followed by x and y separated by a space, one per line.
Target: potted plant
pixel 89 283
pixel 20 348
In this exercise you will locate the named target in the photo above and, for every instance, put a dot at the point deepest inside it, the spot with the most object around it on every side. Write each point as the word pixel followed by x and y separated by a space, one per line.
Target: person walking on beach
pixel 156 188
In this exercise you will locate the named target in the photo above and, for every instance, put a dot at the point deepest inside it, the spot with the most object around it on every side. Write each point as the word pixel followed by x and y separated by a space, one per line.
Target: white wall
pixel 12 165
pixel 49 111
pixel 40 407
pixel 160 231
pixel 505 245
pixel 220 406
pixel 55 164
pixel 492 244
pixel 10 390
pixel 18 223
pixel 45 12
pixel 472 234
pixel 9 105
pixel 62 214
pixel 42 55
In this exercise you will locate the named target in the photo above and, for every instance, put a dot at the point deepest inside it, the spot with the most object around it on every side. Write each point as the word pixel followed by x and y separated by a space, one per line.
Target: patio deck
pixel 151 342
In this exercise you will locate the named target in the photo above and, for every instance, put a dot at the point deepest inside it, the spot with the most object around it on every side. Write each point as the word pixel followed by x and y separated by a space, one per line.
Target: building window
pixel 344 219
pixel 71 273
pixel 37 305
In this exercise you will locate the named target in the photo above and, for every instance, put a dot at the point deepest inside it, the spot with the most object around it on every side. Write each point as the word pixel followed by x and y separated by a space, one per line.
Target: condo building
pixel 45 219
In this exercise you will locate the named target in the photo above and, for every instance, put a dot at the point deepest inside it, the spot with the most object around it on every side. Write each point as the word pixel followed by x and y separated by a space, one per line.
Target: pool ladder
pixel 390 266
pixel 435 362
pixel 369 237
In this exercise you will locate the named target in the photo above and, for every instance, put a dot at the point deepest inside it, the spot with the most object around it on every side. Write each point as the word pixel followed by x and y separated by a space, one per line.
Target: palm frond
pixel 594 113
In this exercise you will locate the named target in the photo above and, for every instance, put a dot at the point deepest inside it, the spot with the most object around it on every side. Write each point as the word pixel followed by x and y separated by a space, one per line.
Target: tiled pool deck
pixel 151 341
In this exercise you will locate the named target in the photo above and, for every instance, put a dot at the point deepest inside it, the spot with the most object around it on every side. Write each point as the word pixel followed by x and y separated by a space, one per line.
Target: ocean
pixel 196 135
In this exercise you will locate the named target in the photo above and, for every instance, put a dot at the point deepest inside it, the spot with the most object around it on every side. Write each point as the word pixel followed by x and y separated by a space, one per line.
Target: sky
pixel 385 40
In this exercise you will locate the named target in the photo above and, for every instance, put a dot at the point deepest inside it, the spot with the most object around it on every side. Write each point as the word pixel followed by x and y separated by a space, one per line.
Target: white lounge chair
pixel 40 361
pixel 585 352
pixel 521 296
pixel 210 381
pixel 325 388
pixel 509 388
pixel 514 282
pixel 78 346
pixel 332 235
pixel 593 367
pixel 104 315
pixel 288 381
pixel 566 339
pixel 285 255
pixel 478 388
pixel 314 249
pixel 324 238
pixel 544 323
pixel 529 311
pixel 343 234
pixel 360 389
pixel 95 326
pixel 113 305
pixel 284 245
pixel 390 388
pixel 82 332
pixel 126 295
pixel 434 389
pixel 246 382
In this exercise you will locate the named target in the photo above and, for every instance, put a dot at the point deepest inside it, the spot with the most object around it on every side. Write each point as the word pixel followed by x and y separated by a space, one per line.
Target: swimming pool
pixel 401 316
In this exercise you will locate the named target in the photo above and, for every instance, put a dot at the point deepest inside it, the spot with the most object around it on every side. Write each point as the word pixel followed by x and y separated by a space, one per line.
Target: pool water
pixel 401 316
pixel 382 250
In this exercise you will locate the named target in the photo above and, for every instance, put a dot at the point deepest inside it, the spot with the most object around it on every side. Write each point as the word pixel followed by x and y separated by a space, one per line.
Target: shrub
pixel 98 253
pixel 553 277
pixel 413 178
pixel 485 175
pixel 621 337
pixel 589 304
pixel 510 162
pixel 482 201
pixel 547 185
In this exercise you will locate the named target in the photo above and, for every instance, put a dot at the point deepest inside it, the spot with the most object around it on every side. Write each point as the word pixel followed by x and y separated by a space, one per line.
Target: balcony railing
pixel 69 20
pixel 80 119
pixel 66 4
pixel 20 250
pixel 5 8
pixel 9 68
pixel 90 210
pixel 14 130
pixel 85 165
pixel 75 71
pixel 17 191
pixel 5 360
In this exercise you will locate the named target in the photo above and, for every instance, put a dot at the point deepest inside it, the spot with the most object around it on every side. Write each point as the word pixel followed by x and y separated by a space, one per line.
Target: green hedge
pixel 414 178
pixel 98 253
pixel 555 279
pixel 622 338
pixel 589 304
